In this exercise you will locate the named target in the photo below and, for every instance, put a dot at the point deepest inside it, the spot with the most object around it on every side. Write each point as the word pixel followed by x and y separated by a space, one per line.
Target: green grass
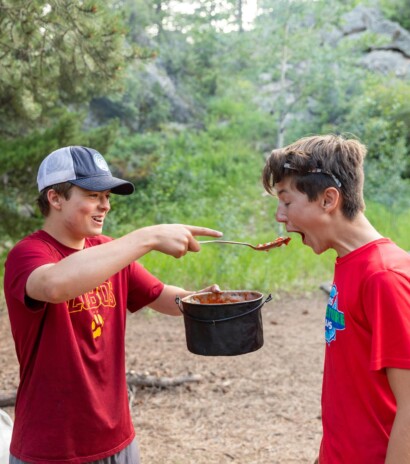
pixel 391 223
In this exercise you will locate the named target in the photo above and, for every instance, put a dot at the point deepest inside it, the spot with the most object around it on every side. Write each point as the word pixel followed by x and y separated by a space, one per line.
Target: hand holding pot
pixel 212 288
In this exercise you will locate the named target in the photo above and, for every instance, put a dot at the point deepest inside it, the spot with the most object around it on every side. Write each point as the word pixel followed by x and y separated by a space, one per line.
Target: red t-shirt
pixel 72 404
pixel 367 329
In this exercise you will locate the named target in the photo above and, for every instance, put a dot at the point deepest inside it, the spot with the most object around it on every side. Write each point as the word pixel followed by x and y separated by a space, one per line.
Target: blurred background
pixel 187 98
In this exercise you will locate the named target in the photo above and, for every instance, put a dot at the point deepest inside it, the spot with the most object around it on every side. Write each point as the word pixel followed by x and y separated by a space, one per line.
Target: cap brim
pixel 101 183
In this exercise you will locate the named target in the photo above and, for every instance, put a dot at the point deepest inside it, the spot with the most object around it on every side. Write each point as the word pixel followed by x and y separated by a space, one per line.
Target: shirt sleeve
pixel 387 294
pixel 22 260
pixel 144 287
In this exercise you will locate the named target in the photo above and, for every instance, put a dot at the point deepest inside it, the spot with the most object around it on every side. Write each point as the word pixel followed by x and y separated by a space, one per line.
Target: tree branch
pixel 143 380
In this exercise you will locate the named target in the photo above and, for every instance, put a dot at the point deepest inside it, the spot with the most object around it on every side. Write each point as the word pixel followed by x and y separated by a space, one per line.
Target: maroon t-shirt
pixel 72 404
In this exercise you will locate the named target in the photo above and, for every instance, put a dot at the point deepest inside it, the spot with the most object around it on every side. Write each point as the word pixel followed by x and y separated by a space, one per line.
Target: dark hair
pixel 63 188
pixel 318 162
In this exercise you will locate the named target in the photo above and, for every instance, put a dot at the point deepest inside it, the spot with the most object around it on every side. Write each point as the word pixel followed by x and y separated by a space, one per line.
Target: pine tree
pixel 55 53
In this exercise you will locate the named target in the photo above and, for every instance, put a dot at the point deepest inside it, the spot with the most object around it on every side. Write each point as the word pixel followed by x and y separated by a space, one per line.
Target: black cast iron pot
pixel 223 324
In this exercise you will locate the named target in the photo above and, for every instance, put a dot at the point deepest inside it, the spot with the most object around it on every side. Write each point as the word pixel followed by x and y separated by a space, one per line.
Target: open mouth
pixel 302 235
pixel 98 219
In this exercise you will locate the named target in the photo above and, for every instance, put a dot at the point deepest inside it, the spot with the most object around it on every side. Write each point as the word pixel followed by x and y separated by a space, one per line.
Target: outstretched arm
pixel 82 271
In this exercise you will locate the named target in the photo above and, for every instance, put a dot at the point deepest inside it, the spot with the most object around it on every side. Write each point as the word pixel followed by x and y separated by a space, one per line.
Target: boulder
pixel 393 56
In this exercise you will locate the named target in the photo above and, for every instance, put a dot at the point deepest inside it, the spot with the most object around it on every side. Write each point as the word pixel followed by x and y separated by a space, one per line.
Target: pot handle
pixel 178 302
pixel 212 321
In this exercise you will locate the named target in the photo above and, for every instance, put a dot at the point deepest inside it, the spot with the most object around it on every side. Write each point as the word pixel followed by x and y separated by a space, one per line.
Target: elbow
pixel 44 284
pixel 50 292
pixel 54 291
pixel 55 295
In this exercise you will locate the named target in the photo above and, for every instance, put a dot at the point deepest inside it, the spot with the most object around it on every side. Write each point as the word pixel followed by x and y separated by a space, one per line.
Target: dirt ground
pixel 258 408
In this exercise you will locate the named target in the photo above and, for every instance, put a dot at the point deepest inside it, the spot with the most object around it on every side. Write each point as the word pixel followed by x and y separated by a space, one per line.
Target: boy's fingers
pixel 195 230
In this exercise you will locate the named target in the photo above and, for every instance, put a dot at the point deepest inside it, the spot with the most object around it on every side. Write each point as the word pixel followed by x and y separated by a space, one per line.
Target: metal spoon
pixel 261 247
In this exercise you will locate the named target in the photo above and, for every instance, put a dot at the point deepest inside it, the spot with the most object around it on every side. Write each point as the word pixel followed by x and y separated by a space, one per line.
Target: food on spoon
pixel 276 243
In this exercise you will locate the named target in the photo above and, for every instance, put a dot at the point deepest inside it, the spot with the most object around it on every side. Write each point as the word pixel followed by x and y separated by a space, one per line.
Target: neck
pixel 63 236
pixel 354 234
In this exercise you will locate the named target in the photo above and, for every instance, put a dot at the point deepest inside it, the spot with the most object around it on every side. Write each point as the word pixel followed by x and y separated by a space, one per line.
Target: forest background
pixel 186 99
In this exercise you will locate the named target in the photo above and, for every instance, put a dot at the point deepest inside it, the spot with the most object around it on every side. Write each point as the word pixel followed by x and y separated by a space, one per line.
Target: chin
pixel 315 249
pixel 320 251
pixel 94 233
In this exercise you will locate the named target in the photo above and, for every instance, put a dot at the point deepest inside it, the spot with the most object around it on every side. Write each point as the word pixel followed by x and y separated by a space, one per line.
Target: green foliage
pixel 177 173
pixel 390 222
pixel 300 74
pixel 191 47
pixel 397 10
pixel 380 117
pixel 52 53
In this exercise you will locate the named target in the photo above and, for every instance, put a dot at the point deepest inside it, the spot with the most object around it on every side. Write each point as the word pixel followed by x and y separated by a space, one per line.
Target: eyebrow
pixel 279 192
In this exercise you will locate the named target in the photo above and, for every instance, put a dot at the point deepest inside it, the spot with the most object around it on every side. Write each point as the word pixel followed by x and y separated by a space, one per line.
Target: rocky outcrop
pixel 181 109
pixel 393 55
pixel 388 53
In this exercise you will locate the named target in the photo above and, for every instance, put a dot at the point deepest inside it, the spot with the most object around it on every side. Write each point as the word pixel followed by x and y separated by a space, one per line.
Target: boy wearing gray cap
pixel 67 289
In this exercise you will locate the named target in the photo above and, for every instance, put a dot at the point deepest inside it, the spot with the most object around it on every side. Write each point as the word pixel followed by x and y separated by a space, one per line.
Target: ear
pixel 54 199
pixel 330 199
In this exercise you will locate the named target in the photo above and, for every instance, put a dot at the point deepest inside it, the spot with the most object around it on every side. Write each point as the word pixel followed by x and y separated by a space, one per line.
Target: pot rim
pixel 188 299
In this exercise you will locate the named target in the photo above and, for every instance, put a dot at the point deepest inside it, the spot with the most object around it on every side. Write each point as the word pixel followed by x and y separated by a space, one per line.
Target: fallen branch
pixel 8 398
pixel 143 380
pixel 326 287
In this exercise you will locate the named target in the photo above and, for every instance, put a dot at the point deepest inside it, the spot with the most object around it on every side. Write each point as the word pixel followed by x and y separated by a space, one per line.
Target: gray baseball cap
pixel 81 166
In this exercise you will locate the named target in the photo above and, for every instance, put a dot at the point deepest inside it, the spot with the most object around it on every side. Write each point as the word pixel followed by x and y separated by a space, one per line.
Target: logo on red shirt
pixel 101 297
pixel 335 319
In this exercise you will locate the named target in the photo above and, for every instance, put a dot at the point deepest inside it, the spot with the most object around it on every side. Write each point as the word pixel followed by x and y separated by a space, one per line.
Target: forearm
pixel 166 304
pixel 398 450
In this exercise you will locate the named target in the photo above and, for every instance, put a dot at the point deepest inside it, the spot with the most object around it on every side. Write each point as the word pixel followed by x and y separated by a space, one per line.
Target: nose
pixel 280 215
pixel 104 203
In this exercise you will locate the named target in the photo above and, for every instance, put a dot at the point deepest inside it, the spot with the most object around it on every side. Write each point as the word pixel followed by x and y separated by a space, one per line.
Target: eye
pixel 284 202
